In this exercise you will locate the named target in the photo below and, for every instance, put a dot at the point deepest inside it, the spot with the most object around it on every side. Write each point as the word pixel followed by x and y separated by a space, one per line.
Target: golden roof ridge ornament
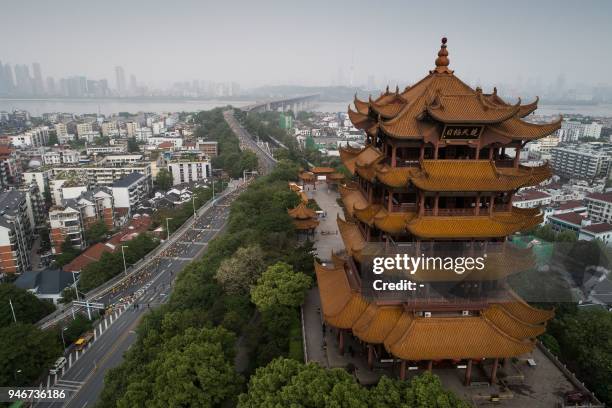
pixel 442 61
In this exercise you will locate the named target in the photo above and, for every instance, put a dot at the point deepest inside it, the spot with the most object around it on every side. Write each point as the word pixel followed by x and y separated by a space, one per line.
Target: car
pixel 59 364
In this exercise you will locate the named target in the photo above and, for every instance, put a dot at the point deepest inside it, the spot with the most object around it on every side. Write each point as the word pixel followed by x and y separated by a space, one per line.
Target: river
pixel 36 107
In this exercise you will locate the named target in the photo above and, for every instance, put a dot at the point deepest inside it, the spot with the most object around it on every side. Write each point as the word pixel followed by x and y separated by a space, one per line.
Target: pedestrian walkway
pixel 327 237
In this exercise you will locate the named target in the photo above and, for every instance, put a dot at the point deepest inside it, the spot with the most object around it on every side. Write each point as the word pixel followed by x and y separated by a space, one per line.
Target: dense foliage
pixel 28 308
pixel 68 254
pixel 287 383
pixel 25 352
pixel 213 127
pixel 583 340
pixel 96 232
pixel 163 180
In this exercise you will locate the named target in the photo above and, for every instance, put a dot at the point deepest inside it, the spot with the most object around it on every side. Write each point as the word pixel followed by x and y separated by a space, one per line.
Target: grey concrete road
pixel 84 379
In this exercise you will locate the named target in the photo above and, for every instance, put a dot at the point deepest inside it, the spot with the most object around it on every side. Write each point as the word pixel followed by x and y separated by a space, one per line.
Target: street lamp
pixel 194 210
pixel 168 227
pixel 76 290
pixel 124 265
pixel 62 333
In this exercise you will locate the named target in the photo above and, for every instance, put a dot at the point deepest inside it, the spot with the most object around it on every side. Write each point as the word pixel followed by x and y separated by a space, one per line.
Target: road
pixel 84 379
pixel 148 286
pixel 266 161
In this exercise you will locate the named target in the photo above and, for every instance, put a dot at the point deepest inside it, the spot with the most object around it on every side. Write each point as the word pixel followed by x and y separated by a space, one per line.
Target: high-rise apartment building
pixel 120 80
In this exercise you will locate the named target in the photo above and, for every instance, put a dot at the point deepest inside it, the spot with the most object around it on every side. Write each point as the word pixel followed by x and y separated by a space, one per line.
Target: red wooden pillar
pixel 477 206
pixel 491 152
pixel 393 156
pixel 468 373
pixel 436 152
pixel 403 370
pixel 390 203
pixel 421 203
pixel 430 365
pixel 494 371
pixel 341 342
pixel 370 356
pixel 436 202
pixel 422 152
pixel 491 204
pixel 517 156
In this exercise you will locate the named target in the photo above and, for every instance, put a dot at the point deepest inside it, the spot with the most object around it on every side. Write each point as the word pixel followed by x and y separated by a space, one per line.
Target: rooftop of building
pixel 607 197
pixel 528 195
pixel 570 218
pixel 9 204
pixel 569 205
pixel 46 282
pixel 128 180
pixel 599 228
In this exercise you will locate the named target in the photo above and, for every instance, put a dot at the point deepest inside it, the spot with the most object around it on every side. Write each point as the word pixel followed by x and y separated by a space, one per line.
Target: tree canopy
pixel 284 383
pixel 163 180
pixel 28 308
pixel 279 285
pixel 25 351
pixel 238 273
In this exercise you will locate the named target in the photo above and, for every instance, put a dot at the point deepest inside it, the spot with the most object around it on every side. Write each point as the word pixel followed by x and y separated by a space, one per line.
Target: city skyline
pixel 312 45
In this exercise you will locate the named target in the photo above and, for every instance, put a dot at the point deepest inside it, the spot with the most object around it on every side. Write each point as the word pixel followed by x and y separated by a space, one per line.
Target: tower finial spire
pixel 442 61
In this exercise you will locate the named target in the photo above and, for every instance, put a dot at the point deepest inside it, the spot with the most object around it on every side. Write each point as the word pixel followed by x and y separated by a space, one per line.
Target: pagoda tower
pixel 440 166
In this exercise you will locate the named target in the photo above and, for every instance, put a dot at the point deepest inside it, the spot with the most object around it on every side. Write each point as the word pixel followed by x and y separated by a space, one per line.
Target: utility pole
pixel 13 311
pixel 123 254
pixel 76 290
pixel 168 228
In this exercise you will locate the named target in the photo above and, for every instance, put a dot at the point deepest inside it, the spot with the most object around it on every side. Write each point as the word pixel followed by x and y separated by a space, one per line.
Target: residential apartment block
pixel 15 233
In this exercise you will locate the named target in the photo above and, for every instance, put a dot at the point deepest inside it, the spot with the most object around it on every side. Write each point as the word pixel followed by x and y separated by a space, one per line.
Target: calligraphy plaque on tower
pixel 462 132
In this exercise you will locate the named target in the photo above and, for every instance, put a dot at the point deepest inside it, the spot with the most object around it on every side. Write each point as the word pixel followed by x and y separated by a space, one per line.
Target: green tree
pixel 28 308
pixel 285 383
pixel 132 145
pixel 191 369
pixel 68 253
pixel 53 140
pixel 25 352
pixel 584 338
pixel 163 180
pixel 279 285
pixel 238 273
pixel 96 232
pixel 566 236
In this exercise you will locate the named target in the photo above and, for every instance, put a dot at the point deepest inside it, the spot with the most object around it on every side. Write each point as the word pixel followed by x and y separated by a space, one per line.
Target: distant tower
pixel 133 84
pixel 39 87
pixel 120 78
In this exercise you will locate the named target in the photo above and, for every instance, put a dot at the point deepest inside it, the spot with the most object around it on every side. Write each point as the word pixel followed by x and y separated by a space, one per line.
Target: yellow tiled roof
pixel 443 175
pixel 469 108
pixel 354 242
pixel 461 227
pixel 351 198
pixel 340 306
pixel 392 222
pixel 454 338
pixel 376 322
pixel 302 212
pixel 526 313
pixel 493 334
pixel 511 325
pixel 443 97
pixel 395 176
pixel 305 224
pixel 363 157
pixel 476 175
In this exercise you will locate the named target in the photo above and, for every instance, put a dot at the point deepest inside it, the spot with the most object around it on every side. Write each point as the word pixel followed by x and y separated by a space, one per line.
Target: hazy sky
pixel 260 42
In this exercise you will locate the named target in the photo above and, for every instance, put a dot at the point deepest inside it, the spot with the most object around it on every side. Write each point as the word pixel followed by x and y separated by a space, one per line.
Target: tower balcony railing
pixel 504 163
pixel 406 207
pixel 465 212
